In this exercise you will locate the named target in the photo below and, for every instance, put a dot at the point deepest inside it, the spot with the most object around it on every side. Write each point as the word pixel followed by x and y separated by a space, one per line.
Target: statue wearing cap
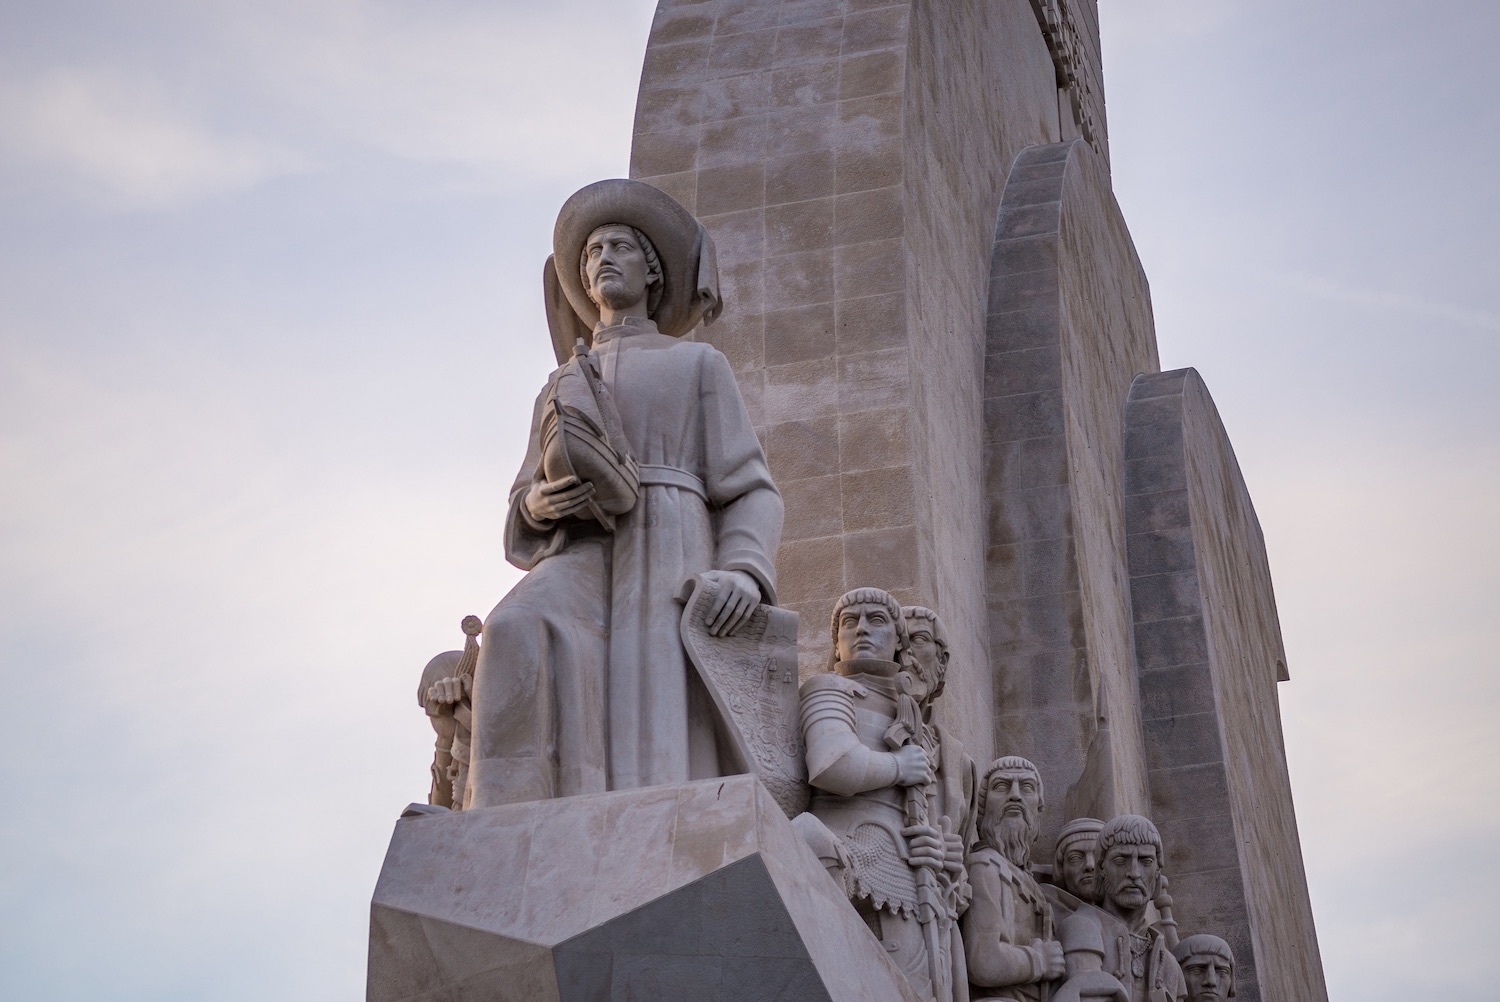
pixel 642 470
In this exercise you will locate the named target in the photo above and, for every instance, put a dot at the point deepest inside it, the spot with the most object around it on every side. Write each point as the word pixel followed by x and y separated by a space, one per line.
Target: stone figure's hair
pixel 1202 944
pixel 1076 830
pixel 1010 762
pixel 873 596
pixel 655 278
pixel 1128 829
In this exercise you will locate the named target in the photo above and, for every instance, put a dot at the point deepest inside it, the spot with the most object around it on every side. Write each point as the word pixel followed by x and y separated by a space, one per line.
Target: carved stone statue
pixel 1111 951
pixel 1207 965
pixel 1075 868
pixel 1008 933
pixel 876 767
pixel 642 470
pixel 955 796
pixel 444 692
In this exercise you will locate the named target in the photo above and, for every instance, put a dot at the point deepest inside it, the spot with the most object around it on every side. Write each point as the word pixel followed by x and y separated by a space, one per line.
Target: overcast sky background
pixel 270 329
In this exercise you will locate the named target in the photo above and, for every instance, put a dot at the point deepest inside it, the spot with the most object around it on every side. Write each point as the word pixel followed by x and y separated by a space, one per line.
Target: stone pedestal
pixel 697 892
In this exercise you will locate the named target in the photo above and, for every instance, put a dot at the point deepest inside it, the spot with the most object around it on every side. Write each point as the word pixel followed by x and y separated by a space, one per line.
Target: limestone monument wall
pixel 848 158
pixel 1208 644
pixel 938 317
pixel 944 339
pixel 1069 328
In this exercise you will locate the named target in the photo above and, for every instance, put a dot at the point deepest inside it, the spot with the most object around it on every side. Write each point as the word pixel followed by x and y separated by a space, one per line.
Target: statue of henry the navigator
pixel 582 684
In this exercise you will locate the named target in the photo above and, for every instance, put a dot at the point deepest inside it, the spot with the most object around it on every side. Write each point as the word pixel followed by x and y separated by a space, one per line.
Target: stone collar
pixel 628 327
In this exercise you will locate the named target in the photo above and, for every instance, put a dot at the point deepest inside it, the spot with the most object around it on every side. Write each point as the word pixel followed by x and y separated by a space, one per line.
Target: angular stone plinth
pixel 699 891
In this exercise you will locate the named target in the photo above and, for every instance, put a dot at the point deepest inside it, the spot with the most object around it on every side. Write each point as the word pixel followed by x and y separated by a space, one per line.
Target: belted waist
pixel 671 476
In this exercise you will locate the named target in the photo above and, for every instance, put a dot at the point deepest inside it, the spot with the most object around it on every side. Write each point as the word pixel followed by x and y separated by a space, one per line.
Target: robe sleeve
pixel 749 508
pixel 988 928
pixel 528 542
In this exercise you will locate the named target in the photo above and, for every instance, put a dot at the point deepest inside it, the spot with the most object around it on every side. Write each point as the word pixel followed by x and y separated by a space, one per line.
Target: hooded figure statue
pixel 642 470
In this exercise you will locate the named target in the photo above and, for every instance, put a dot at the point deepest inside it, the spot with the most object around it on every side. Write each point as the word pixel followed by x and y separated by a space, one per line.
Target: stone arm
pixel 988 926
pixel 528 542
pixel 836 760
pixel 748 507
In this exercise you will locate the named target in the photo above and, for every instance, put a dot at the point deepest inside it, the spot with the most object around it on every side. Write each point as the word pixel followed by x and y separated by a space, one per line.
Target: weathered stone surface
pixel 848 157
pixel 697 891
pixel 1208 645
pixel 1069 327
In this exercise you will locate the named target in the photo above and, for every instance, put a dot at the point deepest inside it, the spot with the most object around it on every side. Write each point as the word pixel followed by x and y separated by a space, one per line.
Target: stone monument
pixel 935 373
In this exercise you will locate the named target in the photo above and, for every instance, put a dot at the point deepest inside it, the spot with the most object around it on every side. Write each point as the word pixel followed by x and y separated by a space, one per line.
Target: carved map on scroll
pixel 1077 70
pixel 752 676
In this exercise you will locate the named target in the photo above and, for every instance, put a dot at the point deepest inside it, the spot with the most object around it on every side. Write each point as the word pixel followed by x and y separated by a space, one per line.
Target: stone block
pixel 803 448
pixel 1182 689
pixel 797 177
pixel 810 569
pixel 696 891
pixel 883 558
pixel 871 73
pixel 814 508
pixel 808 42
pixel 867 215
pixel 734 97
pixel 730 189
pixel 1166 596
pixel 879 499
pixel 874 438
pixel 805 84
pixel 1026 465
pixel 870 323
pixel 801 129
pixel 873 380
pixel 868 31
pixel 799 279
pixel 800 334
pixel 799 226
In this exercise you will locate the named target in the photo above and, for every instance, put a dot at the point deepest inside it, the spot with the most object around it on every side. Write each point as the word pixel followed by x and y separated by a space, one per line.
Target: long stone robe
pixel 582 684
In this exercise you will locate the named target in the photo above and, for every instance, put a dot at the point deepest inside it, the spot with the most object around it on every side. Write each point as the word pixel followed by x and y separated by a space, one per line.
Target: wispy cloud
pixel 1382 300
pixel 116 141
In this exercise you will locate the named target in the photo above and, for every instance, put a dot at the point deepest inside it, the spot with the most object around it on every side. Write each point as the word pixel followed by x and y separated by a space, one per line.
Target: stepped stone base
pixel 698 891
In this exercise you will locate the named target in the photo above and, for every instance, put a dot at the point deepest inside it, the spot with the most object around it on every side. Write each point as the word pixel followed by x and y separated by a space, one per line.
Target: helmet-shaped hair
pixel 1128 829
pixel 1013 762
pixel 1201 945
pixel 1077 830
pixel 873 596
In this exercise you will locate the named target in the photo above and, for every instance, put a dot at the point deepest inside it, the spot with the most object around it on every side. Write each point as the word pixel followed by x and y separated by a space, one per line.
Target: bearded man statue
pixel 1007 931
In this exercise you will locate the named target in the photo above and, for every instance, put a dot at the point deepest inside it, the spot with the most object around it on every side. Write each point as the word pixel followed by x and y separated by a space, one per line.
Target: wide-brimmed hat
pixel 690 273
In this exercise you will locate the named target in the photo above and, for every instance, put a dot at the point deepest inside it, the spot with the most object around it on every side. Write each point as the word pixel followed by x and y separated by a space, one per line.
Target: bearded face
pixel 1013 812
pixel 931 657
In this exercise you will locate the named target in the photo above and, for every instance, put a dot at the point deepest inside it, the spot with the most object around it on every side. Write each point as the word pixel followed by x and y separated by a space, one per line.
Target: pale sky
pixel 269 333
